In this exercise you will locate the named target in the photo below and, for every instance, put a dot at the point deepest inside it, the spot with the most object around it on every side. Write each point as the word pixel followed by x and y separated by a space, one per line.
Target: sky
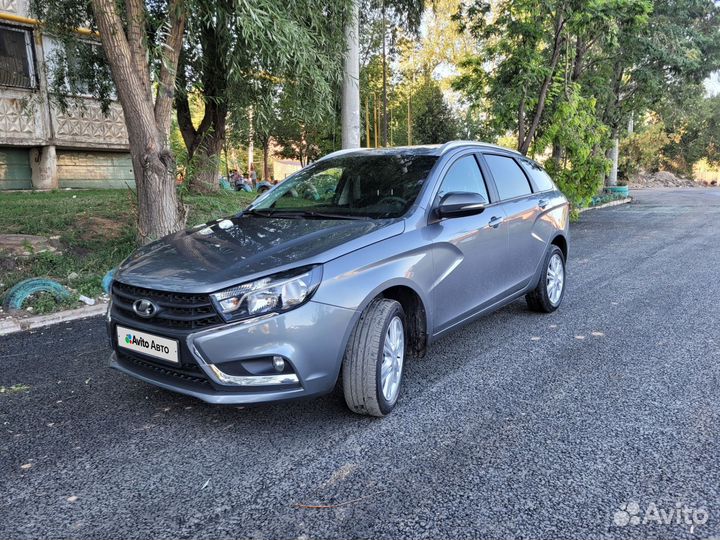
pixel 712 84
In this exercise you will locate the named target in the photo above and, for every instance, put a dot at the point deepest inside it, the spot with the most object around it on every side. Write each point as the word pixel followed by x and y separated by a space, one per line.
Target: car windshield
pixel 360 186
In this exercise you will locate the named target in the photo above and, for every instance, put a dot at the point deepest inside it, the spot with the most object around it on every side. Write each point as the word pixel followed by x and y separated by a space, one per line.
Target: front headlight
pixel 273 294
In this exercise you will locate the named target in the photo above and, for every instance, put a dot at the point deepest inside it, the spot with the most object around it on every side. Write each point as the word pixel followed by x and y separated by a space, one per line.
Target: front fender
pixel 353 280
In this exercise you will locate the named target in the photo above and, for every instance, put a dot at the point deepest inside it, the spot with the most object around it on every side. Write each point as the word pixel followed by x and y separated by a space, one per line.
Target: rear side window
pixel 510 180
pixel 540 177
pixel 464 175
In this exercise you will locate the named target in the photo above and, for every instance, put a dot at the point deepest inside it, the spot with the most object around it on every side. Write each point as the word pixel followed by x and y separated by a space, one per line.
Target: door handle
pixel 542 203
pixel 495 221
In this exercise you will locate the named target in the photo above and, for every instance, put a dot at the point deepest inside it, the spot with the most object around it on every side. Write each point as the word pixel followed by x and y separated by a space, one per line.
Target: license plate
pixel 142 342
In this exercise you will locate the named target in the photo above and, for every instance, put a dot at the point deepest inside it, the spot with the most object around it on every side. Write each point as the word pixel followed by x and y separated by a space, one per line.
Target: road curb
pixel 607 204
pixel 16 324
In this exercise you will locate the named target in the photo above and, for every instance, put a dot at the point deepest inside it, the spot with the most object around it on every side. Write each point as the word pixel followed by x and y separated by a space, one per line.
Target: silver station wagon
pixel 340 274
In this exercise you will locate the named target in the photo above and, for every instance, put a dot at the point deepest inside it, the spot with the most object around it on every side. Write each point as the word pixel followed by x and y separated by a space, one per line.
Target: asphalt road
pixel 517 426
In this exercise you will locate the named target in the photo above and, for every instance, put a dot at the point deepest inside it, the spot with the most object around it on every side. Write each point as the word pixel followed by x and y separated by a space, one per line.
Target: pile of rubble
pixel 660 179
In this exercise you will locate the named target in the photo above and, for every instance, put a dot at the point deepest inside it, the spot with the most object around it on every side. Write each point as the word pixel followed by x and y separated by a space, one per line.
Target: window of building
pixel 16 59
pixel 78 68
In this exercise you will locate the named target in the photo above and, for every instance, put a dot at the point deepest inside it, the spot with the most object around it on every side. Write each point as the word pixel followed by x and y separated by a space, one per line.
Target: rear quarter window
pixel 540 178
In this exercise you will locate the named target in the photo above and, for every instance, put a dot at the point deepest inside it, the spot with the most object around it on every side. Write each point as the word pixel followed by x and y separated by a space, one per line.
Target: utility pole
pixel 409 123
pixel 375 112
pixel 350 113
pixel 390 129
pixel 384 88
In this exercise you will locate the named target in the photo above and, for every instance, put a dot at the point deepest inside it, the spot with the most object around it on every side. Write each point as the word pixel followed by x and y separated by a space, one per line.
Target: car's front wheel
pixel 548 294
pixel 373 363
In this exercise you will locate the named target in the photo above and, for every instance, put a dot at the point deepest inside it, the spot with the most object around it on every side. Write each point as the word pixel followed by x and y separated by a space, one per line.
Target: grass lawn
pixel 95 230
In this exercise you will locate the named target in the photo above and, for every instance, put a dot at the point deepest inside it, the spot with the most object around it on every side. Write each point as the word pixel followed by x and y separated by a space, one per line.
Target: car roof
pixel 419 150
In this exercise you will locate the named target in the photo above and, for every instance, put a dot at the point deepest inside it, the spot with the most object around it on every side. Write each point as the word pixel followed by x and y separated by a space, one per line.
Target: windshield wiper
pixel 330 215
pixel 261 213
pixel 302 214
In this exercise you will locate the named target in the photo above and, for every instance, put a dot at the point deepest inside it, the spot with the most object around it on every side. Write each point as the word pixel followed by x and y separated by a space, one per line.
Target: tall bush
pixel 580 165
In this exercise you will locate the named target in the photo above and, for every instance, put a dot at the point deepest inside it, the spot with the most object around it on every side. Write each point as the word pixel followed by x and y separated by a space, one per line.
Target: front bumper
pixel 311 339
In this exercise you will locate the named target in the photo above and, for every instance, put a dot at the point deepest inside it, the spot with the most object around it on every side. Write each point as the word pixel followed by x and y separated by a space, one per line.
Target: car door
pixel 470 252
pixel 522 209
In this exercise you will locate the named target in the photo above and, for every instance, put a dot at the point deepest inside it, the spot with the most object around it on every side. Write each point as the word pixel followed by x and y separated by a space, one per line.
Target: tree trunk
pixel 557 153
pixel 203 144
pixel 206 164
pixel 266 159
pixel 409 122
pixel 159 211
pixel 557 48
pixel 614 156
pixel 350 113
pixel 580 50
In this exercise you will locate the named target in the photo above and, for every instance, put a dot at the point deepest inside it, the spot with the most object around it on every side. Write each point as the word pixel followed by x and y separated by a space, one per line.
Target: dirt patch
pixel 8 263
pixel 100 227
pixel 660 179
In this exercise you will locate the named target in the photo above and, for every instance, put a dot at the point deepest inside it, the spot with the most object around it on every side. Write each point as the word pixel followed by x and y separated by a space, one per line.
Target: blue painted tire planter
pixel 620 190
pixel 107 281
pixel 17 295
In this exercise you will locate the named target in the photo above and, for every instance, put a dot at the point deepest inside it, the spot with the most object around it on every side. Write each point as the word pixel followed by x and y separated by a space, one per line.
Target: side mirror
pixel 460 203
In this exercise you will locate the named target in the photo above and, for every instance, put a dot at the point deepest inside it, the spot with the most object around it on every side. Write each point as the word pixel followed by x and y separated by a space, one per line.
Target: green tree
pixel 532 50
pixel 643 149
pixel 538 56
pixel 434 120
pixel 522 42
pixel 381 22
pixel 237 55
pixel 140 48
pixel 694 136
pixel 663 62
pixel 575 127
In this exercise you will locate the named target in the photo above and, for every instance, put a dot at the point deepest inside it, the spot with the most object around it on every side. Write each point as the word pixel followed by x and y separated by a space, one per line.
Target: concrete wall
pixel 94 169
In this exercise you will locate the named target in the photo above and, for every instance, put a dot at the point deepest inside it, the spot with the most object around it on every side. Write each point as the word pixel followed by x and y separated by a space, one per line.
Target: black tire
pixel 364 357
pixel 538 299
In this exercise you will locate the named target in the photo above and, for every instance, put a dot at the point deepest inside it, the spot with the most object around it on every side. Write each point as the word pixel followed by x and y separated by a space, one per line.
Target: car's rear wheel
pixel 373 363
pixel 548 294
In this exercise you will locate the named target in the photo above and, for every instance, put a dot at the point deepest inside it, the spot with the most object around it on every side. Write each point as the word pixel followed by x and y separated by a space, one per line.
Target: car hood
pixel 225 252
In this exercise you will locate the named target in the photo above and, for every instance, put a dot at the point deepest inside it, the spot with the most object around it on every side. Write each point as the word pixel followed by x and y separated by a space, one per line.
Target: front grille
pixel 180 311
pixel 187 373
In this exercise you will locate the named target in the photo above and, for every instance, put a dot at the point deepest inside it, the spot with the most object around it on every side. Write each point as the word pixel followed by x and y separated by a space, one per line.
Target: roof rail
pixel 338 153
pixel 455 144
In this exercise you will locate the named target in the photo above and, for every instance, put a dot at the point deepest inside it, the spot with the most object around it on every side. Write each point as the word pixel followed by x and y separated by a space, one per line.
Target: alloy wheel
pixel 555 279
pixel 393 356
